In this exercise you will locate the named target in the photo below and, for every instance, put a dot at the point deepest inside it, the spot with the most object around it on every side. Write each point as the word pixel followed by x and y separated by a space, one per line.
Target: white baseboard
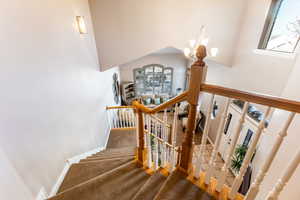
pixel 42 195
pixel 68 164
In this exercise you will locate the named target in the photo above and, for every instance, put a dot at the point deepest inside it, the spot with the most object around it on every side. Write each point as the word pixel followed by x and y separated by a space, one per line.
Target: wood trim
pixel 140 132
pixel 272 101
pixel 161 107
pixel 119 107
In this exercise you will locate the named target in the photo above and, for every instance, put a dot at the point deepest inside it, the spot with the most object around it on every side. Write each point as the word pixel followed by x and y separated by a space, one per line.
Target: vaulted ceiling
pixel 126 30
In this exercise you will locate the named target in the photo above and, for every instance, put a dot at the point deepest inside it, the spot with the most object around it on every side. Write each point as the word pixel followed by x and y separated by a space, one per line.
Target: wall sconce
pixel 81 25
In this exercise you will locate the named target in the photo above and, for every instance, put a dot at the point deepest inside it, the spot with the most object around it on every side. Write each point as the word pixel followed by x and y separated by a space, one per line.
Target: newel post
pixel 140 136
pixel 198 75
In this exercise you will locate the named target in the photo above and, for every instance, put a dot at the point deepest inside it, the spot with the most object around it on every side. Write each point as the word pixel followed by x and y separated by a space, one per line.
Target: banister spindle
pixel 239 179
pixel 156 143
pixel 127 117
pixel 254 189
pixel 133 120
pixel 149 146
pixel 174 126
pixel 198 75
pixel 223 174
pixel 273 195
pixel 200 154
pixel 212 163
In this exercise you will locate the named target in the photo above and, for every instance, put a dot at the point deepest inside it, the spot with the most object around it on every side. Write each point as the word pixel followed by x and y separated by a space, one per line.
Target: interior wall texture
pixel 51 101
pixel 127 30
pixel 177 61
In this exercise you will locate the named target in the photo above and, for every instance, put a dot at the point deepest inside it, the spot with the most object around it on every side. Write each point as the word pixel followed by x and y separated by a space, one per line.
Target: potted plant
pixel 238 158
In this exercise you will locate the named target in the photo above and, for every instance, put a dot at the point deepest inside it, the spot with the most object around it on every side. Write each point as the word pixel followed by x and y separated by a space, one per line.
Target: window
pixel 248 138
pixel 229 117
pixel 282 29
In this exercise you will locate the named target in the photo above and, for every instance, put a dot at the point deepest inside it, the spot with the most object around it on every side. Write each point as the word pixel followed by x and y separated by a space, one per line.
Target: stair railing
pixel 198 74
pixel 162 151
pixel 154 146
pixel 121 117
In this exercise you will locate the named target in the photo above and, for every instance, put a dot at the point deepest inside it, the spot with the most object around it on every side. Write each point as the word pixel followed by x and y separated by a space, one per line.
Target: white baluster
pixel 239 179
pixel 123 118
pixel 165 129
pixel 200 154
pixel 130 118
pixel 212 163
pixel 223 174
pixel 174 126
pixel 119 118
pixel 273 195
pixel 127 118
pixel 173 159
pixel 134 119
pixel 254 189
pixel 149 146
pixel 156 156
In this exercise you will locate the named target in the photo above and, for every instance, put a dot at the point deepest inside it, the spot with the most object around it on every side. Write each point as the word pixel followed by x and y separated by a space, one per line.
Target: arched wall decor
pixel 153 79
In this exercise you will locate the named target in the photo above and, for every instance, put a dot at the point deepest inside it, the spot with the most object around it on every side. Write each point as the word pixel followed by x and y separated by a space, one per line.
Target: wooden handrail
pixel 118 107
pixel 272 101
pixel 161 107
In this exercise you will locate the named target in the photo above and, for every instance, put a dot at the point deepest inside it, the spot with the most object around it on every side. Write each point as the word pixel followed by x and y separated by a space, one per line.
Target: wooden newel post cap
pixel 201 54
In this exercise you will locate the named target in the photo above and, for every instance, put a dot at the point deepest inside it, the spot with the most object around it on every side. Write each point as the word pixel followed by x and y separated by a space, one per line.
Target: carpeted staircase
pixel 113 174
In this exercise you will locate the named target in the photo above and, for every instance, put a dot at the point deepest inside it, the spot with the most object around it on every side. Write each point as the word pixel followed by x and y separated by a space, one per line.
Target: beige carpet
pixel 178 187
pixel 113 174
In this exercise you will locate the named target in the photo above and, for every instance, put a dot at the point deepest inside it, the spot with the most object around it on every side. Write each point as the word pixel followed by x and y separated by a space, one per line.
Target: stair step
pixel 106 158
pixel 122 138
pixel 151 187
pixel 82 172
pixel 117 151
pixel 178 187
pixel 121 183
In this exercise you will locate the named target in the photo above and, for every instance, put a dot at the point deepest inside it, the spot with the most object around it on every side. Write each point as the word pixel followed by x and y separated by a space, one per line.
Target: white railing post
pixel 212 163
pixel 239 179
pixel 174 126
pixel 156 156
pixel 200 154
pixel 149 146
pixel 223 174
pixel 126 117
pixel 273 195
pixel 254 189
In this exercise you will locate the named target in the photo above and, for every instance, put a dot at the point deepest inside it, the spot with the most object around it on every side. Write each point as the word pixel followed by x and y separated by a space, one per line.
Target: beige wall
pixel 251 71
pixel 177 61
pixel 52 103
pixel 290 145
pixel 126 30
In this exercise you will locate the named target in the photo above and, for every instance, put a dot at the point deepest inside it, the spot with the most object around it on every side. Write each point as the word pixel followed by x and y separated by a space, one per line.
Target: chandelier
pixel 190 52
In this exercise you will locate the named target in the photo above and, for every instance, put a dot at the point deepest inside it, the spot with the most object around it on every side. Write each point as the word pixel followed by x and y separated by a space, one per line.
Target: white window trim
pixel 264 52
